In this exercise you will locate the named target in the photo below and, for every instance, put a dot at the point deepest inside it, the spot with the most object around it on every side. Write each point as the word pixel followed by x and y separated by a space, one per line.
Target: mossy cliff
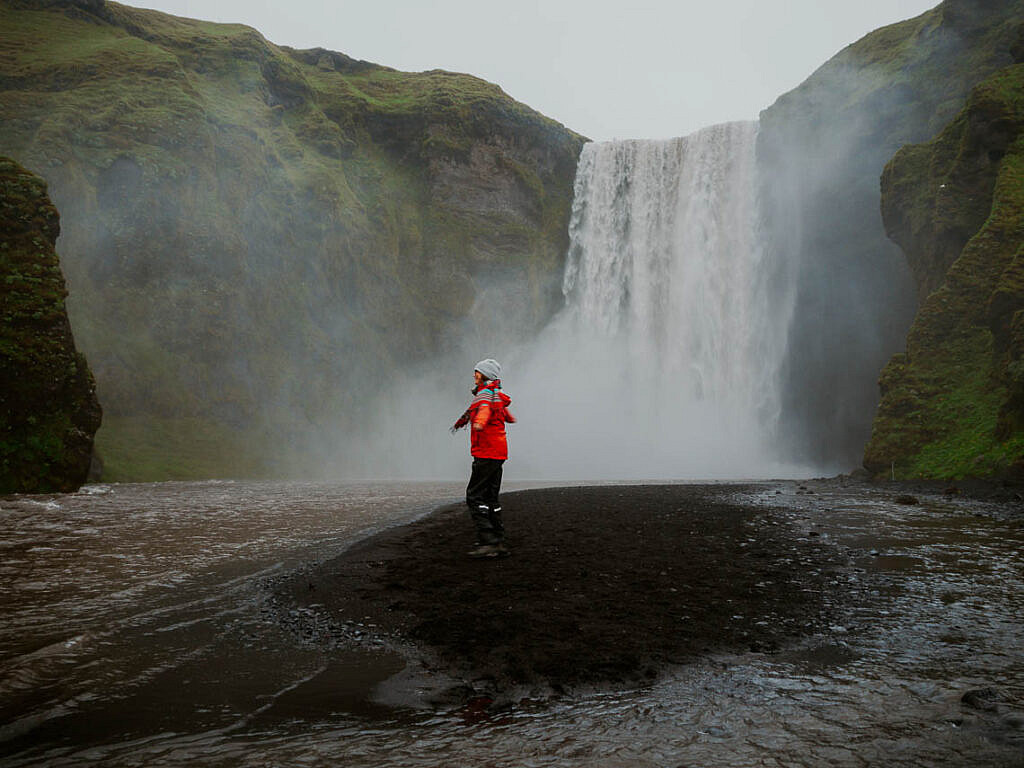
pixel 48 408
pixel 821 149
pixel 953 403
pixel 255 236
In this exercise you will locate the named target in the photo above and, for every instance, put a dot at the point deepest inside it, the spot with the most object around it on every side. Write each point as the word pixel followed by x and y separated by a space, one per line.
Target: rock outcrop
pixel 255 237
pixel 48 407
pixel 953 402
pixel 822 148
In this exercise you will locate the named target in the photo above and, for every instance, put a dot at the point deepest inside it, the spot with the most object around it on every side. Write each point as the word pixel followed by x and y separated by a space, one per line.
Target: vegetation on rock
pixel 48 407
pixel 953 404
pixel 821 150
pixel 255 236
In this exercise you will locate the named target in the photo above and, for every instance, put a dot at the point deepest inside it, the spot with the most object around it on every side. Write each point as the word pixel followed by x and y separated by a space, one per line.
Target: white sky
pixel 629 69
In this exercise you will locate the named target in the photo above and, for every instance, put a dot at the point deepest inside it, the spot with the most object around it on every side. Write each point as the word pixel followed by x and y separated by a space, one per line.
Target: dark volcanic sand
pixel 605 585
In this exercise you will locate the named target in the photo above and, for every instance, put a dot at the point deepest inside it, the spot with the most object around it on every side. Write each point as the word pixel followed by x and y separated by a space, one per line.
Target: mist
pixel 821 153
pixel 727 299
pixel 726 304
pixel 664 361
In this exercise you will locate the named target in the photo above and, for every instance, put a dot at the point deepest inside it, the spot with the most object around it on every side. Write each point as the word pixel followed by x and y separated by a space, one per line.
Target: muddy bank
pixel 605 586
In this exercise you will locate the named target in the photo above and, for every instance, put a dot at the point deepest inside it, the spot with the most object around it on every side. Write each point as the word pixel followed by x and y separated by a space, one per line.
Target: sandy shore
pixel 606 586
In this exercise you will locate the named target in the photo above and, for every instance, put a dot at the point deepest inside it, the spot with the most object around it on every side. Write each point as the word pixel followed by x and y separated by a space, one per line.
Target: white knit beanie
pixel 489 368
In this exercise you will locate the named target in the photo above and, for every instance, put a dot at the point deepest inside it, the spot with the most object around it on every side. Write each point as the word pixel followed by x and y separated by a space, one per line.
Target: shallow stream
pixel 136 632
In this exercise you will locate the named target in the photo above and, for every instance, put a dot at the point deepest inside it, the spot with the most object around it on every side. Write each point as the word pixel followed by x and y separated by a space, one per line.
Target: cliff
pixel 48 407
pixel 821 149
pixel 255 237
pixel 953 402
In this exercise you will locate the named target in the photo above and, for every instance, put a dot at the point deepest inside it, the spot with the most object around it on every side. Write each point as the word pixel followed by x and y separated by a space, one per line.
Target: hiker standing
pixel 486 415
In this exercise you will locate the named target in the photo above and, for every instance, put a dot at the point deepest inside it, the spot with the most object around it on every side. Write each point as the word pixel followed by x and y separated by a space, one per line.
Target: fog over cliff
pixel 737 329
pixel 285 262
pixel 664 361
pixel 667 360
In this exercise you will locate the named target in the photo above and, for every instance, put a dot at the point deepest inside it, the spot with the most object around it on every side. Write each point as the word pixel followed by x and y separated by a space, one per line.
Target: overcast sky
pixel 629 69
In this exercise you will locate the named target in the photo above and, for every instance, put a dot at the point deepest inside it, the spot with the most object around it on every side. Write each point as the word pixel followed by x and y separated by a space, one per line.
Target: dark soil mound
pixel 604 585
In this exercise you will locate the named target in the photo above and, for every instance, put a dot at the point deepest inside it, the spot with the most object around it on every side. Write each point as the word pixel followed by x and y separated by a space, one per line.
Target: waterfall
pixel 664 362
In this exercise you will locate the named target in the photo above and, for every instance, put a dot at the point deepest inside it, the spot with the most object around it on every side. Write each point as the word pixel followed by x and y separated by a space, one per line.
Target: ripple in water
pixel 135 633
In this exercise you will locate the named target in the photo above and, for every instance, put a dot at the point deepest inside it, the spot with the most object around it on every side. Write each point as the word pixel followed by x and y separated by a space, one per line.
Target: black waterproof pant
pixel 482 500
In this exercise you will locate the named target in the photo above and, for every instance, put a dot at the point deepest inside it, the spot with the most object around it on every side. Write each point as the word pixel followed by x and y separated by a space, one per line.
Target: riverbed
pixel 139 629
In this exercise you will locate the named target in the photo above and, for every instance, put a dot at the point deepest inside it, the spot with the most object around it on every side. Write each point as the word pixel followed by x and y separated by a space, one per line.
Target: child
pixel 487 415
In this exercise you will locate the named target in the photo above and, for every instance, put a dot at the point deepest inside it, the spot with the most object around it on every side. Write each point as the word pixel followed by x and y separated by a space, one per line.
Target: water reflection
pixel 135 610
pixel 136 632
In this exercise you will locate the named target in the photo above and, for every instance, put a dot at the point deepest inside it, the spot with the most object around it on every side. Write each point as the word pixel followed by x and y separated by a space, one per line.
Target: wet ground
pixel 607 587
pixel 139 629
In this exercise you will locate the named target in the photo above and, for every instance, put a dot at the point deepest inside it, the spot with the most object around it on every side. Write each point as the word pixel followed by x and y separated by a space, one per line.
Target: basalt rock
pixel 48 407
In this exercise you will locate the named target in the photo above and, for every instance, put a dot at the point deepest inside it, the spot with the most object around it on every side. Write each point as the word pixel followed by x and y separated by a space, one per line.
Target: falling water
pixel 665 361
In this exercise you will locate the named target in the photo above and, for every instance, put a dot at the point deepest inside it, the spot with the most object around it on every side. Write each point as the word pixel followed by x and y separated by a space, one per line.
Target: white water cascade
pixel 665 361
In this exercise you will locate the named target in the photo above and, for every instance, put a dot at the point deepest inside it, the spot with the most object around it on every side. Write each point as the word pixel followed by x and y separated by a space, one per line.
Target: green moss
pixel 961 415
pixel 954 404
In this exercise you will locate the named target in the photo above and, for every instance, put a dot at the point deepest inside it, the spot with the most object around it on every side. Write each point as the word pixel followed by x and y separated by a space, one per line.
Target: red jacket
pixel 488 413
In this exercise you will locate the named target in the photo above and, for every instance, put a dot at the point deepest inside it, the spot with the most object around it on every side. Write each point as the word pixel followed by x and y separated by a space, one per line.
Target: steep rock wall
pixel 48 407
pixel 821 149
pixel 256 236
pixel 953 403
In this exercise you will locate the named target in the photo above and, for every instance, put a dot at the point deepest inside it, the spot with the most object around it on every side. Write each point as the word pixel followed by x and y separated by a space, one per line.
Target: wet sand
pixel 606 587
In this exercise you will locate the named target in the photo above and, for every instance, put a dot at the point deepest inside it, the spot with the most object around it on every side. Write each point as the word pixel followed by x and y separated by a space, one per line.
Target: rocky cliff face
pixel 255 237
pixel 822 148
pixel 48 408
pixel 953 403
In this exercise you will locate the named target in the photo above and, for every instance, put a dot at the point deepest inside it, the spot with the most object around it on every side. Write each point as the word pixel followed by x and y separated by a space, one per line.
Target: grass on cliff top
pixel 36 41
pixel 88 90
pixel 192 42
pixel 867 64
pixel 923 43
pixel 893 65
pixel 149 84
pixel 388 90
